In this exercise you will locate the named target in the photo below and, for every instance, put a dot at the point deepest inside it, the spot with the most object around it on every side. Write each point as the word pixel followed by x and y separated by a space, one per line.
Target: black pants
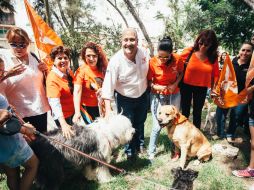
pixel 38 121
pixel 198 94
pixel 136 110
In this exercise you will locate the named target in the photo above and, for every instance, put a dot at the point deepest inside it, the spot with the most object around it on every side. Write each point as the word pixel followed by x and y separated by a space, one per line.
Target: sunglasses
pixel 22 46
pixel 202 43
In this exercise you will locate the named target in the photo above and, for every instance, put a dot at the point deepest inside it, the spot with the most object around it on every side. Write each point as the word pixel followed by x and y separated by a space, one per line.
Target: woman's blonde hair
pixel 17 32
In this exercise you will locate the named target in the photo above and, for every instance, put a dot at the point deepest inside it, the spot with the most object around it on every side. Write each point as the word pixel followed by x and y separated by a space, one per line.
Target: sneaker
pixel 248 173
pixel 151 156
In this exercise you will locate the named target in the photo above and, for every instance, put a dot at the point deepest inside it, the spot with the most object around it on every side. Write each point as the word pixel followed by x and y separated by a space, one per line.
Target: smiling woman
pixel 60 88
pixel 88 81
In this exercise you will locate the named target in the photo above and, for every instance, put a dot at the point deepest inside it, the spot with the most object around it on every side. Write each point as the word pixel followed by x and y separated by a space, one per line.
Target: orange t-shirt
pixel 82 77
pixel 199 73
pixel 57 87
pixel 164 75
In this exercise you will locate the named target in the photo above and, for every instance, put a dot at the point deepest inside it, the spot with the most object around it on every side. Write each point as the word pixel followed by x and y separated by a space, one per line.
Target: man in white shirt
pixel 126 77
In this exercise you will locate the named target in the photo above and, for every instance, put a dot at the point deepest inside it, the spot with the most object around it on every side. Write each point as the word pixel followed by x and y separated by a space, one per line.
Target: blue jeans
pixel 221 115
pixel 156 99
pixel 136 110
pixel 238 116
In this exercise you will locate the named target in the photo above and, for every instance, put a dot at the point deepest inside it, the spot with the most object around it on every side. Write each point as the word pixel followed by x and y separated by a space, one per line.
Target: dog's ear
pixel 193 175
pixel 176 172
pixel 176 112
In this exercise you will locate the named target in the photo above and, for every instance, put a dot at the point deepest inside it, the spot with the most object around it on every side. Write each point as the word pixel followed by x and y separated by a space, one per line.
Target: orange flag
pixel 45 37
pixel 226 90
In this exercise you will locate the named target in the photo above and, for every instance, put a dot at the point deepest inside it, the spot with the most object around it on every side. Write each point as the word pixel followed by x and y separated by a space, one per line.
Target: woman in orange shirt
pixel 165 72
pixel 201 72
pixel 59 88
pixel 88 80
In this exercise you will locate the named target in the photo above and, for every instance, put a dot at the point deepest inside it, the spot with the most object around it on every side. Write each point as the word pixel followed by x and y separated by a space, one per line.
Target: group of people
pixel 130 79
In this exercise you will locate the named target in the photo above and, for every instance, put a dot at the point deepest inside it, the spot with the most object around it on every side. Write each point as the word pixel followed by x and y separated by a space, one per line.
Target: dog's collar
pixel 179 119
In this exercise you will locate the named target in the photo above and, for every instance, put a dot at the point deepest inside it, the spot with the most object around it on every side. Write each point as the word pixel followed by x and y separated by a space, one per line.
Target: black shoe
pixel 131 158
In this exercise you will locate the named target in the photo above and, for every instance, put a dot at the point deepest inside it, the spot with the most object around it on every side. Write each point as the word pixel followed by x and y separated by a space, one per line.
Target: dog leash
pixel 120 170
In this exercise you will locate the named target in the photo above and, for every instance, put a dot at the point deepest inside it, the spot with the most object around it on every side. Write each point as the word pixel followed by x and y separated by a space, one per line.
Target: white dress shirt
pixel 126 77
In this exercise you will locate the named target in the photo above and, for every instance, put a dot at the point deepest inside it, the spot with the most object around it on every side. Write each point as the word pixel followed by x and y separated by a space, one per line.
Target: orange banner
pixel 226 90
pixel 45 37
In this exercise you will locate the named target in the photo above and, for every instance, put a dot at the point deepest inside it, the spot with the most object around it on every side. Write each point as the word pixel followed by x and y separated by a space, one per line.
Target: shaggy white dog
pixel 97 139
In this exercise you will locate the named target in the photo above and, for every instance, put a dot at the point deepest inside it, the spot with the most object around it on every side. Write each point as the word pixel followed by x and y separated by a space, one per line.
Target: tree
pixel 250 3
pixel 74 21
pixel 6 7
pixel 174 26
pixel 195 20
pixel 232 20
pixel 114 5
pixel 48 16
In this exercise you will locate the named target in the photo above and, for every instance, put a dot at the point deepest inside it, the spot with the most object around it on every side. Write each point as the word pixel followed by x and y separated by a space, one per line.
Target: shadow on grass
pixel 131 166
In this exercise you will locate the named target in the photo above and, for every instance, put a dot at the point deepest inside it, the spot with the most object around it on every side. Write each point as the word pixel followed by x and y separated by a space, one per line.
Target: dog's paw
pixel 196 162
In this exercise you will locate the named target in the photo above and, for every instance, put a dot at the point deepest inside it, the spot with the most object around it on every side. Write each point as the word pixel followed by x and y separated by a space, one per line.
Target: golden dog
pixel 184 134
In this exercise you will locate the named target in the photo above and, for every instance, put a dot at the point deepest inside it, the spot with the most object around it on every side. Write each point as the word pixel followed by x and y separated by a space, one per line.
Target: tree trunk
pixel 134 13
pixel 250 3
pixel 66 23
pixel 119 11
pixel 59 21
pixel 48 19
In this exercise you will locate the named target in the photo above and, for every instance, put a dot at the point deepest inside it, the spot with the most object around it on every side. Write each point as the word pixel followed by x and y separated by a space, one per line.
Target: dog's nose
pixel 159 120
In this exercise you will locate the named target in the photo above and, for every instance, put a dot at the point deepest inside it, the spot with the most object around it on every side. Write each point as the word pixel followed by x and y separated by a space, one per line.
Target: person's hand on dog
pixel 67 131
pixel 43 67
pixel 4 116
pixel 28 130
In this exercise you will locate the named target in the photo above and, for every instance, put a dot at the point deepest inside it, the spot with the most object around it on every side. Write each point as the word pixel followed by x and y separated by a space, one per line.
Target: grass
pixel 213 175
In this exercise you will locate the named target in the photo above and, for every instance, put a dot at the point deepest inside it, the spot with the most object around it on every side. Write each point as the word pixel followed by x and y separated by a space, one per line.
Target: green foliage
pixel 107 37
pixel 76 25
pixel 232 20
pixel 173 23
